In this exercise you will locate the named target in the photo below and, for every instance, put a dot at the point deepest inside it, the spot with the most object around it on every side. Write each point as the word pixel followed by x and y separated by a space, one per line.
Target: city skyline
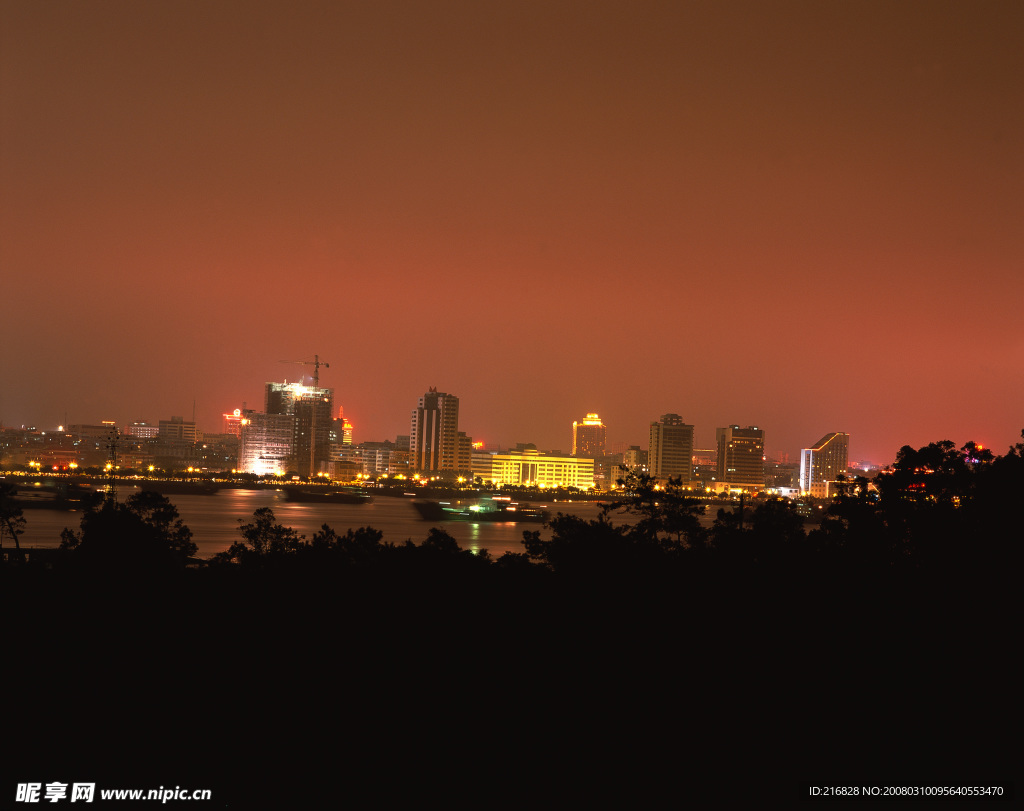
pixel 795 215
pixel 706 436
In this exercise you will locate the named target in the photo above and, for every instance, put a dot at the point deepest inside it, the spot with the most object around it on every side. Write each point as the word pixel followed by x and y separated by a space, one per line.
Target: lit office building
pixel 670 454
pixel 533 468
pixel 823 464
pixel 740 458
pixel 588 437
pixel 434 435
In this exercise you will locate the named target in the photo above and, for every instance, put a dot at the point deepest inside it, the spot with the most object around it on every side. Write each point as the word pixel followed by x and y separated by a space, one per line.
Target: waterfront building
pixel 313 410
pixel 822 464
pixel 529 467
pixel 177 430
pixel 434 434
pixel 217 452
pixel 175 443
pixel 588 437
pixel 376 457
pixel 464 453
pixel 740 458
pixel 266 443
pixel 670 452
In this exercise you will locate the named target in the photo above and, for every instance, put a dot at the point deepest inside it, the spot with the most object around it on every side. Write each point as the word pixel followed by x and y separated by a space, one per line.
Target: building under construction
pixel 312 409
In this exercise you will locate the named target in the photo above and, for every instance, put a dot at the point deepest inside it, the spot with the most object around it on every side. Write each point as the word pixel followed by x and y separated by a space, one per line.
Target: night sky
pixel 806 216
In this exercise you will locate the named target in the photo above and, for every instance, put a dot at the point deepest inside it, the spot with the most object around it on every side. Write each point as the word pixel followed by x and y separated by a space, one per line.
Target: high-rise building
pixel 740 457
pixel 266 443
pixel 313 410
pixel 343 427
pixel 588 437
pixel 670 454
pixel 434 435
pixel 464 453
pixel 822 464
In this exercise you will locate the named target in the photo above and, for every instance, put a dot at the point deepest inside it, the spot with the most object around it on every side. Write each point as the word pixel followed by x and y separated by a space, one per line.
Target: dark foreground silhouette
pixel 636 657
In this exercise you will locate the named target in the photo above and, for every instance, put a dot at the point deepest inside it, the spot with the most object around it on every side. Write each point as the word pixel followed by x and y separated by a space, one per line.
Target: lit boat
pixel 325 496
pixel 490 509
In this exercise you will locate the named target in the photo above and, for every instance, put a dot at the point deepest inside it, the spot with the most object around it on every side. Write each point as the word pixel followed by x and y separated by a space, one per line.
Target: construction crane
pixel 316 363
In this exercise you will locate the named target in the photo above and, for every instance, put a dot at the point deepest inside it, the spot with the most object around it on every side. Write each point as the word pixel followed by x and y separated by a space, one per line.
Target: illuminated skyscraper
pixel 434 436
pixel 821 465
pixel 671 449
pixel 313 410
pixel 741 457
pixel 588 437
pixel 343 426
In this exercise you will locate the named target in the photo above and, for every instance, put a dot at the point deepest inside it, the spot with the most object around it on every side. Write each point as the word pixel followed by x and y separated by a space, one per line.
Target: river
pixel 214 520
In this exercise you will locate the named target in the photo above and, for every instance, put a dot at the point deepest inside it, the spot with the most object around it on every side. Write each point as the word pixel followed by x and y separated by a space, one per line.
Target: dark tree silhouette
pixel 356 547
pixel 667 515
pixel 12 522
pixel 157 512
pixel 769 535
pixel 579 546
pixel 263 540
pixel 144 533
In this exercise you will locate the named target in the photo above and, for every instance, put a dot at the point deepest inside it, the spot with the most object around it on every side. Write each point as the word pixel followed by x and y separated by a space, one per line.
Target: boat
pixel 177 488
pixel 325 495
pixel 489 509
pixel 56 496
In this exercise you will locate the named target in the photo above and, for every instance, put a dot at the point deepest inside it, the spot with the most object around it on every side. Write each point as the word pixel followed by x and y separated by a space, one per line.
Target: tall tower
pixel 741 456
pixel 588 437
pixel 670 453
pixel 434 434
pixel 312 409
pixel 824 463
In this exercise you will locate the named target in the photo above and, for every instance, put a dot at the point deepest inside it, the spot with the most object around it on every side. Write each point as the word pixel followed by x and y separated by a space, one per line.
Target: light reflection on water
pixel 214 520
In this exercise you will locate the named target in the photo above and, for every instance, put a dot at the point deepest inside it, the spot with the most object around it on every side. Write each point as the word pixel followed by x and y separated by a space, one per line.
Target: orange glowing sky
pixel 801 215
